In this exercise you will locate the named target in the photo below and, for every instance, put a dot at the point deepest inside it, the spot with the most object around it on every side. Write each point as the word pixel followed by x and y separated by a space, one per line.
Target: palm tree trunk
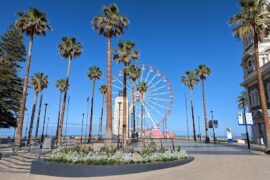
pixel 24 94
pixel 101 117
pixel 109 94
pixel 32 119
pixel 39 111
pixel 61 122
pixel 124 132
pixel 58 119
pixel 262 94
pixel 133 110
pixel 192 113
pixel 205 114
pixel 91 112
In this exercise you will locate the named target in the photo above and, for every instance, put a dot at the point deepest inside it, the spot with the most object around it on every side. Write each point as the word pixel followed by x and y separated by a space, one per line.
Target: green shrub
pixel 108 150
pixel 149 148
pixel 178 148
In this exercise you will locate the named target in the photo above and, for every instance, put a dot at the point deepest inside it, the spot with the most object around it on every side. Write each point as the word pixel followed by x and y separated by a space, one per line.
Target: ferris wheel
pixel 155 105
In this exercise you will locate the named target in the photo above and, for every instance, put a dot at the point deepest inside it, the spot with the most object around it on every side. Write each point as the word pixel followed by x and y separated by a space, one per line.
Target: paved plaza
pixel 212 162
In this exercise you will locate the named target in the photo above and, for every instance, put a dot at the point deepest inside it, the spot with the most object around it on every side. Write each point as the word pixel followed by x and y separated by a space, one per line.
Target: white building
pixel 251 85
pixel 118 105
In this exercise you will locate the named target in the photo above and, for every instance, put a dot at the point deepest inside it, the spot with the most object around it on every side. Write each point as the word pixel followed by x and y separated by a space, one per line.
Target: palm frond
pixel 70 48
pixel 111 23
pixel 94 73
pixel 126 52
pixel 32 22
pixel 254 17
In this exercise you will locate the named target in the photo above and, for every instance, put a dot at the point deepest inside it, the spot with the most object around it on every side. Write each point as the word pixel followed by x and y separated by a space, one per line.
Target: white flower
pixel 76 155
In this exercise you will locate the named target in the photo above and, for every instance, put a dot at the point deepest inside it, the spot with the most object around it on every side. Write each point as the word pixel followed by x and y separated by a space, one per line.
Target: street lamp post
pixel 47 127
pixel 199 126
pixel 118 135
pixel 187 116
pixel 214 136
pixel 245 120
pixel 82 128
pixel 26 125
pixel 87 111
pixel 42 135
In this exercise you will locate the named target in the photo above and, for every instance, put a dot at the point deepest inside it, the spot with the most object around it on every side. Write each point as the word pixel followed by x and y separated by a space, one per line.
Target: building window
pixel 256 96
pixel 264 60
pixel 251 94
pixel 250 65
pixel 268 91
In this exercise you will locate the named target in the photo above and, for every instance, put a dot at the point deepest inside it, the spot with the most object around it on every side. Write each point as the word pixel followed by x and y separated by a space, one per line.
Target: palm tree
pixel 124 54
pixel 93 74
pixel 242 101
pixel 62 86
pixel 69 48
pixel 191 80
pixel 253 19
pixel 39 82
pixel 38 118
pixel 33 22
pixel 103 91
pixel 134 72
pixel 203 72
pixel 142 88
pixel 110 24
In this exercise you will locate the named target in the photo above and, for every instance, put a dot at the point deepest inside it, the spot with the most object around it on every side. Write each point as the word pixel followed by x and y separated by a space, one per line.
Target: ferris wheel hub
pixel 138 95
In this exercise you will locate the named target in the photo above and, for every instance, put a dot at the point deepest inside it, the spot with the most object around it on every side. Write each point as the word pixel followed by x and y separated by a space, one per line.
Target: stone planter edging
pixel 41 167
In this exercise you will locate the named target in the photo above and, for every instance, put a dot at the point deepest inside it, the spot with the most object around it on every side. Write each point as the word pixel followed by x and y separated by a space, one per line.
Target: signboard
pixel 210 124
pixel 229 135
pixel 241 121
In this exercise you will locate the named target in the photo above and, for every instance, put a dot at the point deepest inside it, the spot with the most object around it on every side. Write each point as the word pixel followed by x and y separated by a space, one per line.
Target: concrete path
pixel 212 162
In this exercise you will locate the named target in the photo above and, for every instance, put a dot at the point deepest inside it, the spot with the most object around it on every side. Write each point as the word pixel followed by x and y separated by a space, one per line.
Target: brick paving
pixel 212 162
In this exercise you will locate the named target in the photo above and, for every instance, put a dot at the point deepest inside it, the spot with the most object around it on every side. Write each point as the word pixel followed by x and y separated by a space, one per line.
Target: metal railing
pixel 36 150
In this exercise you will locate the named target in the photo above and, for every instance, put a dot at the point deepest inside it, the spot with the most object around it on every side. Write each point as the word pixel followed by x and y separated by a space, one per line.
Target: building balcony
pixel 251 76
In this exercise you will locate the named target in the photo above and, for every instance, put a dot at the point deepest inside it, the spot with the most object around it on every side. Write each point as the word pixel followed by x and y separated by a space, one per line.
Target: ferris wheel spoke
pixel 147 75
pixel 130 107
pixel 155 84
pixel 148 112
pixel 129 85
pixel 121 83
pixel 152 107
pixel 160 93
pixel 129 92
pixel 159 99
pixel 151 117
pixel 157 105
pixel 159 88
pixel 142 70
pixel 114 92
pixel 120 88
pixel 118 80
pixel 153 78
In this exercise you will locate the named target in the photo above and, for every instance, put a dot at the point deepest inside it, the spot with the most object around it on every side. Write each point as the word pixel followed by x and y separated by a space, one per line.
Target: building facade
pixel 250 82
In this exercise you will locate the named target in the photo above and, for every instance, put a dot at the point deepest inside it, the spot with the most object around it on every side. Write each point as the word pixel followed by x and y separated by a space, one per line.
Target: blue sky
pixel 173 36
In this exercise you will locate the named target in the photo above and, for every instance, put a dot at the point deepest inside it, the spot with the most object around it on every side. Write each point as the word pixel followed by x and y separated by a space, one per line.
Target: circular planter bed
pixel 80 170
